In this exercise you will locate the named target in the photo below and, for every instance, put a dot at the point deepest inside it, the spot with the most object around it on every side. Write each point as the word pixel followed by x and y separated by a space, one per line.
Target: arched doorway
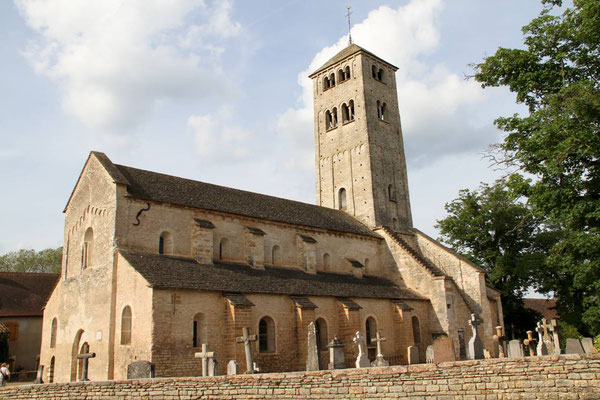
pixel 74 353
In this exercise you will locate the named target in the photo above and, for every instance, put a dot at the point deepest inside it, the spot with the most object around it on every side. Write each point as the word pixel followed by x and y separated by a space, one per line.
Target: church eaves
pixel 347 52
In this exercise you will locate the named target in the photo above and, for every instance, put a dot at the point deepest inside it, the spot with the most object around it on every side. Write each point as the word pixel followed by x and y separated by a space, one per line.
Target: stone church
pixel 155 265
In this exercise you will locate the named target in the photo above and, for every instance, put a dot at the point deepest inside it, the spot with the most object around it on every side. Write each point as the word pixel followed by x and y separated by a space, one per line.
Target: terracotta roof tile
pixel 25 294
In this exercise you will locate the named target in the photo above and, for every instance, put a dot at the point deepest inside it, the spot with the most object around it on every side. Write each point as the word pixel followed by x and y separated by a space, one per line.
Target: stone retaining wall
pixel 567 376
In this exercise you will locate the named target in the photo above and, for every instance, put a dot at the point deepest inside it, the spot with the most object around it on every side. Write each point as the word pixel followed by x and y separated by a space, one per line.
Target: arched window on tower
pixel 87 249
pixel 266 335
pixel 334 117
pixel 332 79
pixel 345 113
pixel 53 330
pixel 416 327
pixel 380 75
pixel 342 199
pixel 366 264
pixel 371 330
pixel 326 83
pixel 383 111
pixel 276 255
pixel 378 109
pixel 224 249
pixel 326 261
pixel 374 71
pixel 321 328
pixel 351 110
pixel 347 73
pixel 126 326
pixel 341 76
pixel 328 120
pixel 165 243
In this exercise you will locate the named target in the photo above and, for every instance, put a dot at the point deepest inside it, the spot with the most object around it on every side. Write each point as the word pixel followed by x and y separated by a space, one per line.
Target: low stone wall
pixel 565 377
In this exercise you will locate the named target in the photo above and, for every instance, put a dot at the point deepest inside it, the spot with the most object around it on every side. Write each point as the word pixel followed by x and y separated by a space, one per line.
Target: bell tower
pixel 359 151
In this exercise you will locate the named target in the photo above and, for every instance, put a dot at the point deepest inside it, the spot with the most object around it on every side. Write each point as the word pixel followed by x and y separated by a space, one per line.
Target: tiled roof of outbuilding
pixel 164 272
pixel 147 185
pixel 25 293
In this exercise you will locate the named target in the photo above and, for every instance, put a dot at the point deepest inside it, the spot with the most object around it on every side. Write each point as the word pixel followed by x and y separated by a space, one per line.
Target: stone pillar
pixel 304 317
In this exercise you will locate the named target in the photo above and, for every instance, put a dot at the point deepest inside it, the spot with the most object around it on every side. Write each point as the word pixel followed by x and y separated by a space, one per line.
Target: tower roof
pixel 347 52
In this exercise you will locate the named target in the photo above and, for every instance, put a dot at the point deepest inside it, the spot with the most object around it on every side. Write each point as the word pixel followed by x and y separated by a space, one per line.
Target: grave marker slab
pixel 429 355
pixel 475 343
pixel 140 370
pixel 208 358
pixel 574 347
pixel 588 345
pixel 312 356
pixel 232 367
pixel 515 349
pixel 413 355
pixel 336 354
pixel 443 349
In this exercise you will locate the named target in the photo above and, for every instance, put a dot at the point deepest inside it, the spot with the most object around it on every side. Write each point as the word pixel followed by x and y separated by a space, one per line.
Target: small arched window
pixel 276 255
pixel 374 71
pixel 371 330
pixel 87 249
pixel 332 79
pixel 197 330
pixel 266 335
pixel 347 73
pixel 53 329
pixel 126 325
pixel 366 264
pixel 391 193
pixel 341 77
pixel 165 243
pixel 383 112
pixel 342 199
pixel 326 83
pixel 334 117
pixel 416 327
pixel 224 249
pixel 328 120
pixel 380 75
pixel 345 113
pixel 321 328
pixel 351 110
pixel 326 260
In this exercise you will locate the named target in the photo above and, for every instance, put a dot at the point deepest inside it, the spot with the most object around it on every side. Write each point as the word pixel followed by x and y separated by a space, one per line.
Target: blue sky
pixel 218 91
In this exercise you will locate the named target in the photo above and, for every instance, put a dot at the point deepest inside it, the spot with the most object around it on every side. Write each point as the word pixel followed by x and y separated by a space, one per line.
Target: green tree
pixel 492 228
pixel 48 260
pixel 557 145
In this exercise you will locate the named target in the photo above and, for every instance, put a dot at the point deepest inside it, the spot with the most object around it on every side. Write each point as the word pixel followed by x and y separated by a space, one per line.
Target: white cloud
pixel 436 105
pixel 115 59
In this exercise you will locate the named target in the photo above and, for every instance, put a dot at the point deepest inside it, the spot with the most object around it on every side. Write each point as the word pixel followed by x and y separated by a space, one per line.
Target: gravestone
pixel 247 340
pixel 85 356
pixel 429 356
pixel 530 343
pixel 212 367
pixel 40 373
pixel 501 342
pixel 574 347
pixel 208 358
pixel 362 361
pixel 475 343
pixel 140 370
pixel 379 360
pixel 588 345
pixel 336 354
pixel 443 349
pixel 312 356
pixel 542 350
pixel 232 367
pixel 555 336
pixel 515 349
pixel 255 367
pixel 547 336
pixel 413 355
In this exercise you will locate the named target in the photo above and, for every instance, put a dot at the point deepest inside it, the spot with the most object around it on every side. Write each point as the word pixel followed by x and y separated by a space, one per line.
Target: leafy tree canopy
pixel 557 143
pixel 48 260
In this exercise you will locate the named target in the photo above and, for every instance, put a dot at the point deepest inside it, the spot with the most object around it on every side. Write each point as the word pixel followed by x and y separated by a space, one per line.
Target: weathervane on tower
pixel 349 32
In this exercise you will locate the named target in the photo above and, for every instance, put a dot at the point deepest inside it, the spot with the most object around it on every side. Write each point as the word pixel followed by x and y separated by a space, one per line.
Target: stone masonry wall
pixel 550 377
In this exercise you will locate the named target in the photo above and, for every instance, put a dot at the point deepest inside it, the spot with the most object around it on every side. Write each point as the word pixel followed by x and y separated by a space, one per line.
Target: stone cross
pixel 247 339
pixel 362 361
pixel 529 342
pixel 85 356
pixel 475 343
pixel 379 360
pixel 542 350
pixel 205 355
pixel 501 339
pixel 547 338
pixel 555 337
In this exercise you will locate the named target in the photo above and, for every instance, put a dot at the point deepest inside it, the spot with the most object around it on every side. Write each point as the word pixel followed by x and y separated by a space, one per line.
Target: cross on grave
pixel 475 343
pixel 379 360
pixel 247 339
pixel 501 340
pixel 529 342
pixel 542 350
pixel 85 356
pixel 555 337
pixel 362 361
pixel 547 337
pixel 206 357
